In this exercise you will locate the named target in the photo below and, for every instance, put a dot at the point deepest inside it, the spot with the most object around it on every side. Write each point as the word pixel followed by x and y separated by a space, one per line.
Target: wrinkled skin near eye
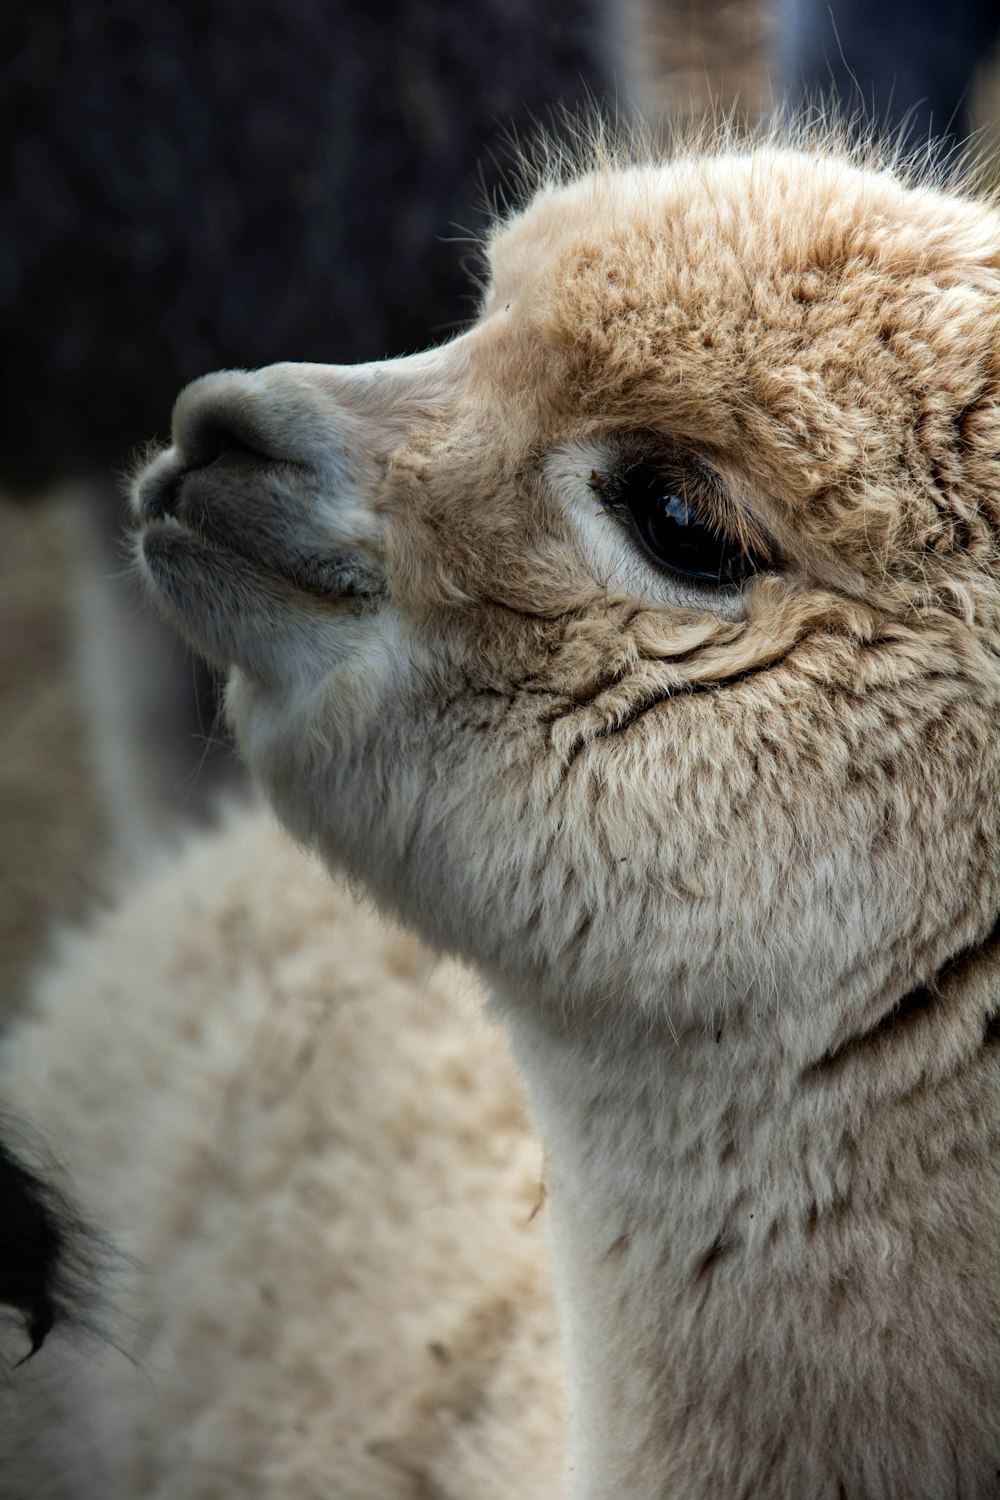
pixel 668 511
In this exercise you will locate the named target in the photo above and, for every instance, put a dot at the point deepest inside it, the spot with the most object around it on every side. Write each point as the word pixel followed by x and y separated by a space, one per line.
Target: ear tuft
pixel 48 1259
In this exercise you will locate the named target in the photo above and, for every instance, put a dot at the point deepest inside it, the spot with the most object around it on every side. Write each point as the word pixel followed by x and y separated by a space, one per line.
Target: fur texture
pixel 268 1095
pixel 726 854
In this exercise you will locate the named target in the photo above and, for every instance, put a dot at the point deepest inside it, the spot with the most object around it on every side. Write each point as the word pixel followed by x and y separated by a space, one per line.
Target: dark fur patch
pixel 724 1245
pixel 48 1255
pixel 650 704
pixel 921 1001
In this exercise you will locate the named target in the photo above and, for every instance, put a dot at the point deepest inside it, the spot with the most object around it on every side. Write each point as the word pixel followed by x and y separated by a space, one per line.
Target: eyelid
pixel 705 491
pixel 735 521
pixel 684 492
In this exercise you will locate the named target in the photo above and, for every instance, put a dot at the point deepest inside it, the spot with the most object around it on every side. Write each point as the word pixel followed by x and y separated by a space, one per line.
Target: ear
pixel 47 1271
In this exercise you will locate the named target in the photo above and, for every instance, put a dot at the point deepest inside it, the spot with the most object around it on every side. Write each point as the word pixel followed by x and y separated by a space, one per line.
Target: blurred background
pixel 187 186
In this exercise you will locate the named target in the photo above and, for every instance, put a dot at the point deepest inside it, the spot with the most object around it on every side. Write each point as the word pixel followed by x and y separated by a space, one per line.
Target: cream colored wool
pixel 727 857
pixel 317 1154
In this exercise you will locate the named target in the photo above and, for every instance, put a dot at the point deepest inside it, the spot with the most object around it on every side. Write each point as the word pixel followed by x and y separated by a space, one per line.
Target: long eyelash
pixel 726 520
pixel 735 523
pixel 676 509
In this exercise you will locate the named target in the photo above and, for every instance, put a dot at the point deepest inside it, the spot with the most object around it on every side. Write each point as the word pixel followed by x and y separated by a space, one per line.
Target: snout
pixel 283 415
pixel 255 527
pixel 339 420
pixel 261 466
pixel 337 424
pixel 264 506
pixel 290 413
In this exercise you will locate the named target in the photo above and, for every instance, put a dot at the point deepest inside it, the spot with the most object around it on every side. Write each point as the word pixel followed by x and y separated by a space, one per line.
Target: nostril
pixel 212 435
pixel 209 452
pixel 215 419
pixel 216 416
pixel 157 492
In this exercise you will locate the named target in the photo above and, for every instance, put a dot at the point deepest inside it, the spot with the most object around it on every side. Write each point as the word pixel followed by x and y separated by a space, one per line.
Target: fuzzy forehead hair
pixel 873 273
pixel 580 142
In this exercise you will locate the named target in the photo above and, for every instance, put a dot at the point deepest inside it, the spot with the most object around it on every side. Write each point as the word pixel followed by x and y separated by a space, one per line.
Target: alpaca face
pixel 640 643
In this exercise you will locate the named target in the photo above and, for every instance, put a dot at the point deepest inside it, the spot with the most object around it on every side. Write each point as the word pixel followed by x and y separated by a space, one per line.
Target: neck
pixel 757 1292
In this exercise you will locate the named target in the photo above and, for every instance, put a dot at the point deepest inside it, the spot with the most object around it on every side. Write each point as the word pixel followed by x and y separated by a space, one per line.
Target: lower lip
pixel 166 535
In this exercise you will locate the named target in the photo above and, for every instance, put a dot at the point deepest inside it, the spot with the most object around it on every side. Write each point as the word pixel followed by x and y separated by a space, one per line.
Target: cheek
pixel 303 742
pixel 680 868
pixel 473 535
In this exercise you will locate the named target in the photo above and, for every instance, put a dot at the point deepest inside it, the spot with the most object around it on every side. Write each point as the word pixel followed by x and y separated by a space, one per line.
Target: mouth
pixel 215 517
pixel 253 563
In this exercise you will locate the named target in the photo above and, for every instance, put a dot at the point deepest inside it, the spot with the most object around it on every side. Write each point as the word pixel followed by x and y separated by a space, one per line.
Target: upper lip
pixel 157 492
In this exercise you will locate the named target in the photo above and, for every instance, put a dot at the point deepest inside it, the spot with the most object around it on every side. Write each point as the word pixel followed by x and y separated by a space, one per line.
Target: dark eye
pixel 661 511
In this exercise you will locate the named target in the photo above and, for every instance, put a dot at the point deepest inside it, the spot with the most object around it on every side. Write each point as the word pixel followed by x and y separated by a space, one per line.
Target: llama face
pixel 673 577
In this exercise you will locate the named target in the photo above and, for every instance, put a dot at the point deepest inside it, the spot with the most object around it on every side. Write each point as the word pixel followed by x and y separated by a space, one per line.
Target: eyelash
pixel 656 505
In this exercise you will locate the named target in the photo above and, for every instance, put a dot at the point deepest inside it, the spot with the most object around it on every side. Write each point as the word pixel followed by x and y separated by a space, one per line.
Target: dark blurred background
pixel 187 186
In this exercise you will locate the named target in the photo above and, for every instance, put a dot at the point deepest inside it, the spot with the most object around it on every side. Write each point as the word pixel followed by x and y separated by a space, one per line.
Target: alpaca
pixel 264 1095
pixel 638 647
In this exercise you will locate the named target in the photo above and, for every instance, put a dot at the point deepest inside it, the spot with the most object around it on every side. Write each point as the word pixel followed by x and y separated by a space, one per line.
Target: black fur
pixel 48 1265
pixel 195 184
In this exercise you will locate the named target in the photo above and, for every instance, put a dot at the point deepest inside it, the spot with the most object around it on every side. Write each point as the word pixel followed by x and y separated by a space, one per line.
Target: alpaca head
pixel 640 643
